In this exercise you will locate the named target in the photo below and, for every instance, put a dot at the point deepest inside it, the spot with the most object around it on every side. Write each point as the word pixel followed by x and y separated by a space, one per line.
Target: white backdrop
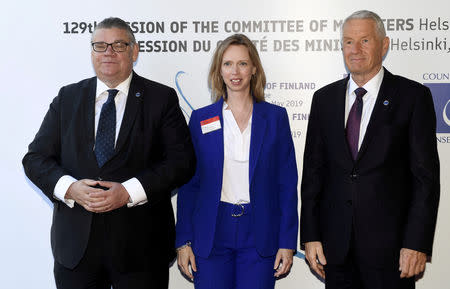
pixel 298 43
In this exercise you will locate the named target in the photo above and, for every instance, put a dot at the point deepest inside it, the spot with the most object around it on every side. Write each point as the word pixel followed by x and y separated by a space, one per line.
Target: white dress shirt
pixel 235 183
pixel 133 186
pixel 372 87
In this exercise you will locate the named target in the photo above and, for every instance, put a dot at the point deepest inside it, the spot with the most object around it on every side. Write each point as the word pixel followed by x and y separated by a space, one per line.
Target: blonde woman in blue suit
pixel 237 217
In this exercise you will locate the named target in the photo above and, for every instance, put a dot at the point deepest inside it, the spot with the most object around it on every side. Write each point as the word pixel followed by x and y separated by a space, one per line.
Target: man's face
pixel 113 67
pixel 363 48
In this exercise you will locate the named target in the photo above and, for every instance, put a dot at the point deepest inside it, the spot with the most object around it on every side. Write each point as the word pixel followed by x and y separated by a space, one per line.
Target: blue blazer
pixel 272 178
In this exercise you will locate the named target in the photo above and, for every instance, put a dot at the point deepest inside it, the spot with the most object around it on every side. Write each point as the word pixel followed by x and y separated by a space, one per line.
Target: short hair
pixel 115 22
pixel 215 80
pixel 365 14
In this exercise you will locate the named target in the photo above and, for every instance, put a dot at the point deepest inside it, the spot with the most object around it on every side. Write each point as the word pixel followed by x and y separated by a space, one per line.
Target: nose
pixel 355 47
pixel 109 50
pixel 234 69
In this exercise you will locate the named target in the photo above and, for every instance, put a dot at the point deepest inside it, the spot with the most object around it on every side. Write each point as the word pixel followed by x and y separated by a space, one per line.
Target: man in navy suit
pixel 108 153
pixel 370 188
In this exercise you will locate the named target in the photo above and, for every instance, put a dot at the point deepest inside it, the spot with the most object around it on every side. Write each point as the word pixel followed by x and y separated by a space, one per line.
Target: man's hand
pixel 315 257
pixel 411 262
pixel 283 262
pixel 80 191
pixel 184 258
pixel 114 197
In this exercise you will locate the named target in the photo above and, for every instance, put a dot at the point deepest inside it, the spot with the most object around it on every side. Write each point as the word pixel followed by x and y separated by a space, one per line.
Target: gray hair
pixel 365 14
pixel 115 22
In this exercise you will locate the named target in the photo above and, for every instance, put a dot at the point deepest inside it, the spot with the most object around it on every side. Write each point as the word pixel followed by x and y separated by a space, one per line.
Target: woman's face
pixel 237 69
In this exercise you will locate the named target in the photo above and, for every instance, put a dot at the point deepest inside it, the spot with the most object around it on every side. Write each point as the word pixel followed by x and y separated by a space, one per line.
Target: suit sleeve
pixel 187 196
pixel 42 161
pixel 424 164
pixel 288 181
pixel 312 180
pixel 178 160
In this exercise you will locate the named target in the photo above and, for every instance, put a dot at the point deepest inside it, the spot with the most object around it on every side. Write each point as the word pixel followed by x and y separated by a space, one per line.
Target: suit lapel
pixel 257 136
pixel 134 102
pixel 89 93
pixel 387 90
pixel 216 145
pixel 219 141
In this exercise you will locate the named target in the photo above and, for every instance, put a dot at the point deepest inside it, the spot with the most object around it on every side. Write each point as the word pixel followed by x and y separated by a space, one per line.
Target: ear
pixel 254 70
pixel 385 45
pixel 135 52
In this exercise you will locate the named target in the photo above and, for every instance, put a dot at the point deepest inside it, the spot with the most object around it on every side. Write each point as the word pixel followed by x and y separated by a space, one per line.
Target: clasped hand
pixel 85 193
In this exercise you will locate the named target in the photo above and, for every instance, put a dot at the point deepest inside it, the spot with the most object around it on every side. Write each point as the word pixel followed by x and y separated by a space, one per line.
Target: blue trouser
pixel 234 262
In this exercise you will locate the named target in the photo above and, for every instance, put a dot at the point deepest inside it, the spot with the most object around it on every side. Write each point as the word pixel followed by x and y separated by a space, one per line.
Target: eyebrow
pixel 247 59
pixel 115 41
pixel 364 36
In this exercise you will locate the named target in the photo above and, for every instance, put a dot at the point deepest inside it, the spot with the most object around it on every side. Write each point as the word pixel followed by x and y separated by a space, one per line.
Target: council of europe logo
pixel 441 97
pixel 186 106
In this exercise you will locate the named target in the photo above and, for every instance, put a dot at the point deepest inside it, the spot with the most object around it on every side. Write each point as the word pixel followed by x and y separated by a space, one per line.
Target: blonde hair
pixel 215 80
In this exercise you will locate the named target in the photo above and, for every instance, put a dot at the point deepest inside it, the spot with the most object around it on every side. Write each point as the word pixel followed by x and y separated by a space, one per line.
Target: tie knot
pixel 360 92
pixel 112 94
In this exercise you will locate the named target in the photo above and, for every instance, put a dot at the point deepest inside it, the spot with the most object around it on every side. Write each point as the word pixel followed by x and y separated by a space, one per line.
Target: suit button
pixel 349 202
pixel 353 176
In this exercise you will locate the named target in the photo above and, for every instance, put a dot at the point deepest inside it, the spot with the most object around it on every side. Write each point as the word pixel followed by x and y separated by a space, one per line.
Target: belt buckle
pixel 242 210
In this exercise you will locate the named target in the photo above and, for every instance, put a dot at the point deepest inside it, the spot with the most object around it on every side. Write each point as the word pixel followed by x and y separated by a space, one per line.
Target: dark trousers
pixel 355 275
pixel 96 269
pixel 234 262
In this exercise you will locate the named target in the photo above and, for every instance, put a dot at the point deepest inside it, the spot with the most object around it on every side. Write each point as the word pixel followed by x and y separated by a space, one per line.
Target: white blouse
pixel 235 183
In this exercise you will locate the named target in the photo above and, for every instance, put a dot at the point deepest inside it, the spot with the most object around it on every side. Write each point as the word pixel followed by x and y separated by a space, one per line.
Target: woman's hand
pixel 283 262
pixel 185 256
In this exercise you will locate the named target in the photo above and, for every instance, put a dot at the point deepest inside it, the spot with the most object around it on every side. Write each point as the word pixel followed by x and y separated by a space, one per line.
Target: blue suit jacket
pixel 272 178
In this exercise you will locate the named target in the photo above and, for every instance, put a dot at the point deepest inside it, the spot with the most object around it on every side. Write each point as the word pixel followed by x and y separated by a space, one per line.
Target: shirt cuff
pixel 61 188
pixel 136 192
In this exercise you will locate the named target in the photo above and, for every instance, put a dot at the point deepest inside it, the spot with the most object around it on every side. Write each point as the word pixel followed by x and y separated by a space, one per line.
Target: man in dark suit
pixel 108 153
pixel 370 188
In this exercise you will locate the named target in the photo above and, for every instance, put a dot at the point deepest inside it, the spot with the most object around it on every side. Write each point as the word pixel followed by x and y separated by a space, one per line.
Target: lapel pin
pixel 138 94
pixel 386 102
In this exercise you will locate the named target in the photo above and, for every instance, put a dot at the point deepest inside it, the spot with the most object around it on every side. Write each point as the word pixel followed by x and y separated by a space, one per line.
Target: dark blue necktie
pixel 354 122
pixel 106 131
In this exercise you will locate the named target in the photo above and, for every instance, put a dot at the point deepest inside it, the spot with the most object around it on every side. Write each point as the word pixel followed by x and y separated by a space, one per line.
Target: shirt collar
pixel 372 86
pixel 123 87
